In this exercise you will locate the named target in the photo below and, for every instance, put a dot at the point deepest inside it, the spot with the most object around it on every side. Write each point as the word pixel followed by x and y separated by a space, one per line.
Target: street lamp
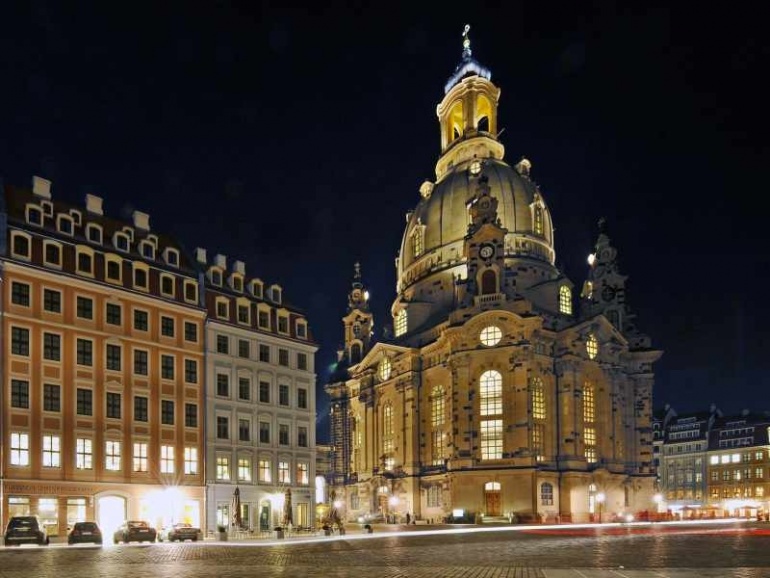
pixel 600 497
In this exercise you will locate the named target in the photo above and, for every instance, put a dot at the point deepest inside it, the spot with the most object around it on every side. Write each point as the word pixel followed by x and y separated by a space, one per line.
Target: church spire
pixel 358 321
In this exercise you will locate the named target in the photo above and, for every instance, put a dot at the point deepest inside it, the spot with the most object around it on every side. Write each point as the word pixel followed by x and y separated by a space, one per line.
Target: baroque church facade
pixel 502 393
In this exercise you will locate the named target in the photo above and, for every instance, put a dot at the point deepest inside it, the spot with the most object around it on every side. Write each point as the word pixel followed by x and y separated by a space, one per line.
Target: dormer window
pixel 65 224
pixel 256 289
pixel 301 329
pixel 140 277
pixel 275 294
pixel 565 300
pixel 121 242
pixel 190 292
pixel 94 233
pixel 283 323
pixel 52 253
pixel 147 250
pixel 77 218
pixel 237 283
pixel 21 245
pixel 172 257
pixel 34 215
pixel 113 267
pixel 85 261
pixel 223 308
pixel 167 285
pixel 47 208
pixel 129 232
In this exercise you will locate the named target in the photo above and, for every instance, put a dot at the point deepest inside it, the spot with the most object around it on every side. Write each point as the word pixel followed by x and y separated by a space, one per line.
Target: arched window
pixel 387 428
pixel 488 282
pixel 592 346
pixel 589 422
pixel 538 399
pixel 437 406
pixel 538 417
pixel 355 353
pixel 491 393
pixel 418 241
pixel 455 121
pixel 483 125
pixel 546 494
pixel 483 114
pixel 565 300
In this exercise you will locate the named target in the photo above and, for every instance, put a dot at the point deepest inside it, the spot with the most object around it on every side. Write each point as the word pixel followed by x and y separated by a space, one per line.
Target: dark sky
pixel 296 139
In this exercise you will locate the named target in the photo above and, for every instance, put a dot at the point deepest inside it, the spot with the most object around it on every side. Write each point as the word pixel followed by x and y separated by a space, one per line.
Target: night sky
pixel 296 139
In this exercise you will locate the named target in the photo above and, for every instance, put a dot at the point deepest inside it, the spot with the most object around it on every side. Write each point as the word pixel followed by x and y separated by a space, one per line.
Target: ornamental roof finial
pixel 466 42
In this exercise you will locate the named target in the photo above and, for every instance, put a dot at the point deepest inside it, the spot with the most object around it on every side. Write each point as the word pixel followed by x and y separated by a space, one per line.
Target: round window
pixel 490 336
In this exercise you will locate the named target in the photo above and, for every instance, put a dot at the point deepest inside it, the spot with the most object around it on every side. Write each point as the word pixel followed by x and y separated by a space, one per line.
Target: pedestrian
pixel 408 518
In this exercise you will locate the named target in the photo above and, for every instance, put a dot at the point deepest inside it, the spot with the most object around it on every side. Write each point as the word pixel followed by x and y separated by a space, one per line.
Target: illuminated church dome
pixel 432 254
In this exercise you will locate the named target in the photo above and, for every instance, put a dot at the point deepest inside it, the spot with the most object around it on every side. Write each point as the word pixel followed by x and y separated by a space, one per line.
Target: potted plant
pixel 222 532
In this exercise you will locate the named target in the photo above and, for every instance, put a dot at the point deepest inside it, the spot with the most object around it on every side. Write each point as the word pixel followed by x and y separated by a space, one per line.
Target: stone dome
pixel 441 218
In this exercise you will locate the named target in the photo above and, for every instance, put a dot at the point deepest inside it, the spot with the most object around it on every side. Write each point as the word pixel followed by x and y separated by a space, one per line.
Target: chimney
pixel 220 261
pixel 200 255
pixel 141 221
pixel 94 204
pixel 41 187
pixel 239 267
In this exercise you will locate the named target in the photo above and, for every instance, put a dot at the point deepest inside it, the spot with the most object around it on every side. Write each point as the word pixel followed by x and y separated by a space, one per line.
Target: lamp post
pixel 600 497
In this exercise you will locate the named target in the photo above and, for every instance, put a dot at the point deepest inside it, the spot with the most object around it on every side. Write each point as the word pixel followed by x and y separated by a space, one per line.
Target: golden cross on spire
pixel 466 41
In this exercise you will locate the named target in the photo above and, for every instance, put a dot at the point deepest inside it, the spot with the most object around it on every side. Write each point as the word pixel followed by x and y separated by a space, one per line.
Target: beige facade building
pixel 502 393
pixel 102 367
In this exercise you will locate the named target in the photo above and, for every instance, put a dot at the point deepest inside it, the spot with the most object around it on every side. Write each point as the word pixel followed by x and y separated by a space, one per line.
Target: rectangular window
pixel 20 341
pixel 85 402
pixel 243 348
pixel 190 371
pixel 141 320
pixel 113 357
pixel 51 451
pixel 167 326
pixel 19 449
pixel 223 427
pixel 244 388
pixel 167 412
pixel 222 309
pixel 190 415
pixel 223 384
pixel 264 432
pixel 52 300
pixel 190 332
pixel 301 330
pixel 52 346
pixel 113 314
pixel 243 313
pixel 265 471
pixel 141 362
pixel 283 473
pixel 244 469
pixel 140 457
pixel 283 394
pixel 20 393
pixel 263 320
pixel 113 405
pixel 244 430
pixel 302 398
pixel 20 294
pixel 492 439
pixel 112 455
pixel 166 459
pixel 303 474
pixel 141 412
pixel 84 454
pixel 85 352
pixel 264 353
pixel 283 324
pixel 85 307
pixel 264 392
pixel 167 366
pixel 223 344
pixel 223 468
pixel 283 357
pixel 51 397
pixel 302 436
pixel 283 434
pixel 191 461
pixel 302 361
pixel 190 291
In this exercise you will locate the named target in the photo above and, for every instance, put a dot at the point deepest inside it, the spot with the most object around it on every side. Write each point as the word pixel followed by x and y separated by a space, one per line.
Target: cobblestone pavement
pixel 677 551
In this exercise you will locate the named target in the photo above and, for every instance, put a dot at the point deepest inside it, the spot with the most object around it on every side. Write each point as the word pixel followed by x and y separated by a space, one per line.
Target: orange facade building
pixel 102 367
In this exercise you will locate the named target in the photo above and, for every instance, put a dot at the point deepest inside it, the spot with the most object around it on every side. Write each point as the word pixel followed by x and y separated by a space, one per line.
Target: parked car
pixel 134 531
pixel 83 532
pixel 25 530
pixel 179 532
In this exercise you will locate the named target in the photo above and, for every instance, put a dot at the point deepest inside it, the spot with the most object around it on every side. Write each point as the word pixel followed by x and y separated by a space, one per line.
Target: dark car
pixel 84 532
pixel 179 532
pixel 134 531
pixel 25 530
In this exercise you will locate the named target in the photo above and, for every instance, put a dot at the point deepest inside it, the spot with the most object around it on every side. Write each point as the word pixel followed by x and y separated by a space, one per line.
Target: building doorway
pixel 111 513
pixel 492 499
